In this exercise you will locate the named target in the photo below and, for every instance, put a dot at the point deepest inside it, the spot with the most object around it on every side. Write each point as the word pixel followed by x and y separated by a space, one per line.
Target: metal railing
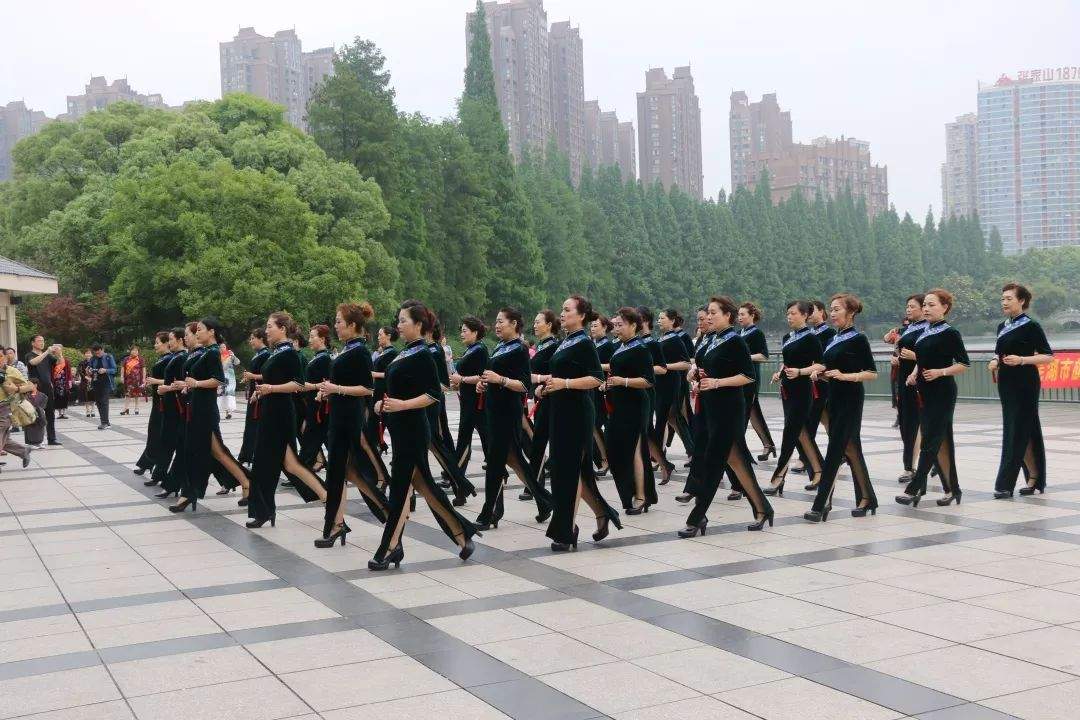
pixel 975 384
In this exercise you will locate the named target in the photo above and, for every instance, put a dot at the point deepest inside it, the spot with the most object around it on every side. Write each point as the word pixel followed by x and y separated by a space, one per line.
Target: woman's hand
pixel 378 407
pixel 907 354
pixel 191 382
pixel 792 373
pixel 262 390
pixel 327 388
pixel 616 381
pixel 836 375
pixel 455 381
pixel 992 366
pixel 539 391
pixel 708 383
pixel 392 405
pixel 894 361
pixel 931 375
pixel 1012 360
pixel 552 387
pixel 492 377
pixel 776 377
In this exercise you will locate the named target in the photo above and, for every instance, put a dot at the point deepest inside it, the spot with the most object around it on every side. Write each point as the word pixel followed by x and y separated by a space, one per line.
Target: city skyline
pixel 892 77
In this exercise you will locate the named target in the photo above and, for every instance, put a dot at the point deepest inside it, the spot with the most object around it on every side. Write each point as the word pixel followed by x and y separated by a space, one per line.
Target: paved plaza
pixel 112 608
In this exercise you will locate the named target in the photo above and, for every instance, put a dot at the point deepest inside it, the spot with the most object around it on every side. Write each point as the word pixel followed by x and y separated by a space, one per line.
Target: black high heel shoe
pixel 139 471
pixel 947 500
pixel 777 490
pixel 166 493
pixel 666 472
pixel 817 516
pixel 150 483
pixel 183 505
pixel 329 541
pixel 684 498
pixel 861 511
pixel 691 531
pixel 543 515
pixel 766 453
pixel 760 524
pixel 243 502
pixel 489 525
pixel 734 495
pixel 392 558
pixel 602 530
pixel 912 500
pixel 566 547
pixel 256 524
pixel 907 477
pixel 1030 490
pixel 1002 494
pixel 224 491
pixel 467 550
pixel 638 509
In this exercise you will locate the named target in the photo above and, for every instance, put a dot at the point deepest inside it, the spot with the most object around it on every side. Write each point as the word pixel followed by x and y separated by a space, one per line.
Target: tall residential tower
pixel 669 131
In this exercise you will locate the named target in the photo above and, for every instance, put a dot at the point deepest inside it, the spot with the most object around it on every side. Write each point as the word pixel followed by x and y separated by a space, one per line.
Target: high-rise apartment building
pixel 521 59
pixel 669 131
pixel 959 182
pixel 16 122
pixel 274 68
pixel 627 150
pixel 608 141
pixel 761 139
pixel 316 66
pixel 1028 141
pixel 100 94
pixel 568 94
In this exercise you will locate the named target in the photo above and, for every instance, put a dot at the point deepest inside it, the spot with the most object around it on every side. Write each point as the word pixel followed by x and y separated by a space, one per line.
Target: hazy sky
pixel 891 73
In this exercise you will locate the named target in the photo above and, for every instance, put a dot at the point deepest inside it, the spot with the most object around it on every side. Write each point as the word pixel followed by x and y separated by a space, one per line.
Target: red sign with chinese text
pixel 1063 372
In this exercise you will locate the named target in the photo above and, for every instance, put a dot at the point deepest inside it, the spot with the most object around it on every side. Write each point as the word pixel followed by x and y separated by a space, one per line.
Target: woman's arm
pixel 1036 359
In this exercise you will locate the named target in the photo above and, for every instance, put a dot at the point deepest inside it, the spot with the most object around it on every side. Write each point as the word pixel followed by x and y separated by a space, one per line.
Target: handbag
pixel 23 412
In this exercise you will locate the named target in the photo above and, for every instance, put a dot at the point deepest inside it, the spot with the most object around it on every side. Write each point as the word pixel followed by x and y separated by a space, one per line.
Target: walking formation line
pixel 591 395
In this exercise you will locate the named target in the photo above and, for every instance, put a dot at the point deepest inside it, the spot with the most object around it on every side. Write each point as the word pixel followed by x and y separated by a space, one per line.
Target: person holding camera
pixel 40 362
pixel 12 386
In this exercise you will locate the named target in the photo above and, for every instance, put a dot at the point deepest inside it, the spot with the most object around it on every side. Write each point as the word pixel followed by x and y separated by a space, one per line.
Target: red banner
pixel 1063 372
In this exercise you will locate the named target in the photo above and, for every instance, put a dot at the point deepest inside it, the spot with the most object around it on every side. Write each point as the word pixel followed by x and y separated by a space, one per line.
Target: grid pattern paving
pixel 113 608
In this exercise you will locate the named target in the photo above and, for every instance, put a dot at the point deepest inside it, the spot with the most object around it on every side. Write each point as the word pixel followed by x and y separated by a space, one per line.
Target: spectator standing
pixel 61 383
pixel 134 375
pixel 40 362
pixel 86 383
pixel 103 371
pixel 227 392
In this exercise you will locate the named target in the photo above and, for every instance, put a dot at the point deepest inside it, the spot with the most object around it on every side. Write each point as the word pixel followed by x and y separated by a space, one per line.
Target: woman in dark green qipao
pixel 598 330
pixel 725 368
pixel 546 330
pixel 907 399
pixel 628 422
pixel 412 385
pixel 442 446
pixel 151 452
pixel 1021 347
pixel 699 427
pixel 575 372
pixel 257 342
pixel 940 356
pixel 657 425
pixel 819 415
pixel 204 450
pixel 504 385
pixel 846 363
pixel 672 417
pixel 275 449
pixel 382 357
pixel 349 454
pixel 466 377
pixel 800 351
pixel 316 410
pixel 169 471
pixel 752 335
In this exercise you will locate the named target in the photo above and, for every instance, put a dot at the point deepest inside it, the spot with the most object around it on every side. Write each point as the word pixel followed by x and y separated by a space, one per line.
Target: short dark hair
pixel 1022 293
pixel 475 324
pixel 727 306
pixel 178 333
pixel 513 315
pixel 552 319
pixel 630 316
pixel 917 297
pixel 818 305
pixel 391 332
pixel 162 336
pixel 260 334
pixel 96 346
pixel 583 306
pixel 674 316
pixel 805 307
pixel 646 317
